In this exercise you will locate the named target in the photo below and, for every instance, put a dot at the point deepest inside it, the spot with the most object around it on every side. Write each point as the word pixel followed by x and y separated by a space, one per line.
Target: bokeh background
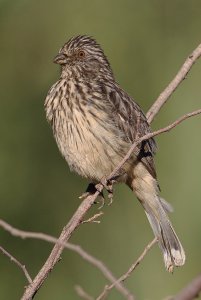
pixel 146 43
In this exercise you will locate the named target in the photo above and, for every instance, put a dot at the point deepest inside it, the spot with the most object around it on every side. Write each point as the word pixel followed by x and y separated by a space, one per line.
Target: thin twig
pixel 150 135
pixel 128 273
pixel 75 248
pixel 82 294
pixel 93 219
pixel 181 75
pixel 21 266
pixel 54 256
pixel 191 291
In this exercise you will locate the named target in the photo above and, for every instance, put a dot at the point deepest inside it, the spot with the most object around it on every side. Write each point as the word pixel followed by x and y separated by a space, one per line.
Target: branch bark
pixel 82 294
pixel 19 264
pixel 150 135
pixel 181 75
pixel 87 203
pixel 128 273
pixel 191 291
pixel 54 256
pixel 75 248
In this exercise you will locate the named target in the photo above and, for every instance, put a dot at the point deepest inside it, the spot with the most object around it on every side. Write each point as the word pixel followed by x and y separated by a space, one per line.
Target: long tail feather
pixel 156 209
pixel 169 243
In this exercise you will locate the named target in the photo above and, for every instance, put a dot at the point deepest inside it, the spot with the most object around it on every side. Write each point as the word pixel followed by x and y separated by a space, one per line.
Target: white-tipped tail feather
pixel 169 243
pixel 156 208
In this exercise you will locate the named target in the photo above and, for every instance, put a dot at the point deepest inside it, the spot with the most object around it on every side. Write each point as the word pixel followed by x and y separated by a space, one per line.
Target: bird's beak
pixel 60 59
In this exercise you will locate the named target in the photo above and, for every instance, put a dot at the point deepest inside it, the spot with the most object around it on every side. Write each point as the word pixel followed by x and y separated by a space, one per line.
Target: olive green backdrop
pixel 146 43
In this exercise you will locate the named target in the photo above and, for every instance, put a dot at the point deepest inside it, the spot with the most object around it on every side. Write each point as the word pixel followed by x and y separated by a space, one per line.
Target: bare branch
pixel 128 273
pixel 21 266
pixel 76 248
pixel 54 256
pixel 191 291
pixel 82 294
pixel 93 219
pixel 181 75
pixel 150 135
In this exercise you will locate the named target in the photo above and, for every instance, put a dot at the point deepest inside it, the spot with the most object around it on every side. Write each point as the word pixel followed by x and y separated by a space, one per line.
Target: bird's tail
pixel 168 240
pixel 146 189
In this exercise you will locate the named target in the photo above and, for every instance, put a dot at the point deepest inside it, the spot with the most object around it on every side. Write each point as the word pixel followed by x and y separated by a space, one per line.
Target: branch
pixel 54 256
pixel 82 294
pixel 93 219
pixel 130 270
pixel 76 248
pixel 191 291
pixel 150 135
pixel 21 266
pixel 181 75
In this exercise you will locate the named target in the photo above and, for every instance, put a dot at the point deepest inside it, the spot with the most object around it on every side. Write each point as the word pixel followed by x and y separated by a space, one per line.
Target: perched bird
pixel 95 122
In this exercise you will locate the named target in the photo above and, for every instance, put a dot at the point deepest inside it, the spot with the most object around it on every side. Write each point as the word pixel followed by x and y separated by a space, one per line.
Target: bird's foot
pixel 108 185
pixel 91 189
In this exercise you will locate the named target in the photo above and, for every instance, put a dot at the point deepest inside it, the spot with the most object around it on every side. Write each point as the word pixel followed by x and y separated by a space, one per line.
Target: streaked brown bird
pixel 95 123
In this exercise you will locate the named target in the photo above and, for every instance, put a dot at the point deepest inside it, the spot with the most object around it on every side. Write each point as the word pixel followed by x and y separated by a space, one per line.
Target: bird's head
pixel 83 54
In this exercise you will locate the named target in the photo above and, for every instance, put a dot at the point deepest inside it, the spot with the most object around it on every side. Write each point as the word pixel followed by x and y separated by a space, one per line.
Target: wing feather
pixel 133 123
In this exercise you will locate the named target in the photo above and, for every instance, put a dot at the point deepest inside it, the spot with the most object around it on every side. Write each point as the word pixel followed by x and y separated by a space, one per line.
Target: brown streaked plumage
pixel 95 123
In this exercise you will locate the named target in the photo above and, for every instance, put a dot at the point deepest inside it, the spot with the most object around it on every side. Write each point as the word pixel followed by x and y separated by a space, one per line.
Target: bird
pixel 95 122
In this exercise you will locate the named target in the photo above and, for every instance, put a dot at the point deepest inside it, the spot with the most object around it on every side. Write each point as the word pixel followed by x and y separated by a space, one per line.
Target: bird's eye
pixel 81 54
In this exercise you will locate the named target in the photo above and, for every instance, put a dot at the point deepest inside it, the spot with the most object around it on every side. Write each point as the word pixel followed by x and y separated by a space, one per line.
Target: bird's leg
pixel 110 191
pixel 92 188
pixel 108 185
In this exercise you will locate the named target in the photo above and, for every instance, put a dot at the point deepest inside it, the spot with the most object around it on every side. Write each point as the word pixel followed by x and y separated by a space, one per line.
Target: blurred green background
pixel 146 43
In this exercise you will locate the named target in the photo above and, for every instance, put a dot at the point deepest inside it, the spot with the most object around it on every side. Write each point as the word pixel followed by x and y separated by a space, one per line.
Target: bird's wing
pixel 131 120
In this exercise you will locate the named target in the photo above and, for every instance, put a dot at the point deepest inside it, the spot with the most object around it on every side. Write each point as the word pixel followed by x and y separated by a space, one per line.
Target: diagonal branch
pixel 191 291
pixel 19 264
pixel 128 273
pixel 150 135
pixel 75 248
pixel 82 294
pixel 181 75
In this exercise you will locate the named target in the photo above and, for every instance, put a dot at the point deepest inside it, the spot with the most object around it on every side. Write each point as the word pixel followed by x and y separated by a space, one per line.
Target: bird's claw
pixel 84 195
pixel 108 185
pixel 110 197
pixel 89 191
pixel 92 188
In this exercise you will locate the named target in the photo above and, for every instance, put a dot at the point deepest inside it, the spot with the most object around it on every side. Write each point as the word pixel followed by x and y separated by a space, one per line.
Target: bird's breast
pixel 85 132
